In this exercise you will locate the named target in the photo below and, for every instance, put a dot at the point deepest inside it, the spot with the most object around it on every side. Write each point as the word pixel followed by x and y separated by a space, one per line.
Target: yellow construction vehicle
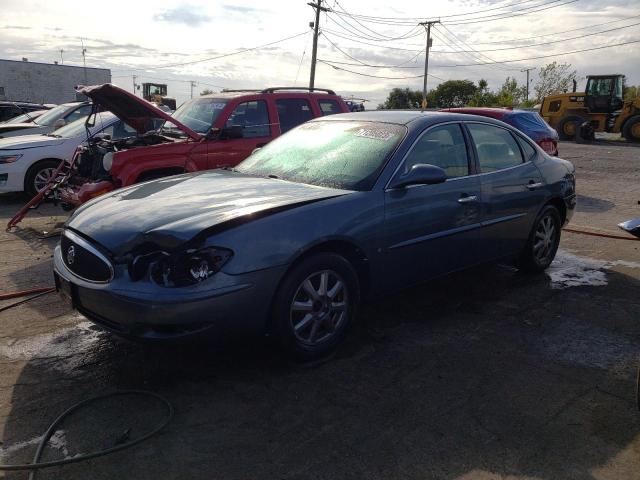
pixel 601 107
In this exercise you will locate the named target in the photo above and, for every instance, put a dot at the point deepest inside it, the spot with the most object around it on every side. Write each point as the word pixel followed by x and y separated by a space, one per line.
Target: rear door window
pixel 329 107
pixel 496 147
pixel 293 112
pixel 527 149
pixel 253 117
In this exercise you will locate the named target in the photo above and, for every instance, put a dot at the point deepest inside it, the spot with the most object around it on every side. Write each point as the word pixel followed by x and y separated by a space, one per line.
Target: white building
pixel 46 82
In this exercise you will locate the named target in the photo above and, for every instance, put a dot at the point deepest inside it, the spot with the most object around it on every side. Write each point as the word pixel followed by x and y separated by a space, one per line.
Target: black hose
pixel 37 465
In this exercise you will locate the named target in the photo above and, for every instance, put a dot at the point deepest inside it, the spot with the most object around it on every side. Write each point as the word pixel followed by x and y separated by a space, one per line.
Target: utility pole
pixel 193 84
pixel 61 57
pixel 427 26
pixel 134 83
pixel 316 25
pixel 527 70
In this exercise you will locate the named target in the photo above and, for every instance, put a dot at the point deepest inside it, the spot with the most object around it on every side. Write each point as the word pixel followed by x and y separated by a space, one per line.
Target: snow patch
pixel 72 345
pixel 568 270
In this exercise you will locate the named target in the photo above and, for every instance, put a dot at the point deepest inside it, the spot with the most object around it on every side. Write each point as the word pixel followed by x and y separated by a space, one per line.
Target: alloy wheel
pixel 42 178
pixel 545 239
pixel 319 308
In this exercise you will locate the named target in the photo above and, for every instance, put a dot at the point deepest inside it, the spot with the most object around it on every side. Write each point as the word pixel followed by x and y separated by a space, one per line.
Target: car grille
pixel 84 260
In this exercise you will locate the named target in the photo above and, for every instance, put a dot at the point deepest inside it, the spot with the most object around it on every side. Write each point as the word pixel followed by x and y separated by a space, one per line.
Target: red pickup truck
pixel 211 131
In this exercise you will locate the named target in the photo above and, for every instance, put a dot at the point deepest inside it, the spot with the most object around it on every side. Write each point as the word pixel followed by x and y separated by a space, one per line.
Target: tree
pixel 631 92
pixel 453 93
pixel 206 91
pixel 510 94
pixel 554 78
pixel 483 96
pixel 402 98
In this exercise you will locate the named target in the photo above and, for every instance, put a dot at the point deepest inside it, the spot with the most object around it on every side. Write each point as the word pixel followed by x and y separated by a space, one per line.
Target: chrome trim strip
pixel 453 231
pixel 87 246
pixel 431 236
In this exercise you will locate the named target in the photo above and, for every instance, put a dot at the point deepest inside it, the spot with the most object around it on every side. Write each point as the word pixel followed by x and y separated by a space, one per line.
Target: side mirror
pixel 231 133
pixel 420 174
pixel 631 226
pixel 59 123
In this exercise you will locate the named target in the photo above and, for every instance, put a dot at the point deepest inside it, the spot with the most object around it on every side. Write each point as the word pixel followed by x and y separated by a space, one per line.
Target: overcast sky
pixel 140 37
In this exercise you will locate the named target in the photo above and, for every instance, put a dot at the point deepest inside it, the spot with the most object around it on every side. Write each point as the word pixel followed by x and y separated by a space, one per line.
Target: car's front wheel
pixel 39 175
pixel 543 241
pixel 315 305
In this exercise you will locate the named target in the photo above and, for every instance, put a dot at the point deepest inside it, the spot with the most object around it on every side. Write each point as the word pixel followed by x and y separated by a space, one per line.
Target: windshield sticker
pixel 218 106
pixel 375 134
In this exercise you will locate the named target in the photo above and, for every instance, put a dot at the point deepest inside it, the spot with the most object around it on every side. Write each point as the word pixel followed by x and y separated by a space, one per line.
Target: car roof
pixel 402 117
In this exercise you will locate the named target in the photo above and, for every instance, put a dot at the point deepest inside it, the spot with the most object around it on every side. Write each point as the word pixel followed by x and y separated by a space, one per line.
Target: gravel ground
pixel 486 374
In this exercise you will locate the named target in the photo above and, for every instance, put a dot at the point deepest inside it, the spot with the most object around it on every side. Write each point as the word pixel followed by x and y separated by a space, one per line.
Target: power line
pixel 543 56
pixel 400 65
pixel 374 76
pixel 549 43
pixel 515 40
pixel 488 18
pixel 413 19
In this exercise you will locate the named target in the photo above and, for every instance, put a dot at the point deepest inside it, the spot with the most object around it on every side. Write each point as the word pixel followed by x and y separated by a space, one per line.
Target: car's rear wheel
pixel 543 241
pixel 39 175
pixel 315 305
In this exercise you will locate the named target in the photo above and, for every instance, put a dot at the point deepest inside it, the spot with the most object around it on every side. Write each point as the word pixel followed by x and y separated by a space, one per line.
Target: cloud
pixel 17 27
pixel 192 16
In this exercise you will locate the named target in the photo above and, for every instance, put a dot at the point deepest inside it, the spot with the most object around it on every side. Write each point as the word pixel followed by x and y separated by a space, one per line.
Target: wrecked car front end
pixel 97 167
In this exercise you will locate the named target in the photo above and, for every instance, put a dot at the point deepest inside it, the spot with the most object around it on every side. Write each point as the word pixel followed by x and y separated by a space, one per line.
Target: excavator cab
pixel 604 93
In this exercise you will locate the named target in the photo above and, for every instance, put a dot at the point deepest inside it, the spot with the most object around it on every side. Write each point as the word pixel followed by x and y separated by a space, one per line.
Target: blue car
pixel 339 209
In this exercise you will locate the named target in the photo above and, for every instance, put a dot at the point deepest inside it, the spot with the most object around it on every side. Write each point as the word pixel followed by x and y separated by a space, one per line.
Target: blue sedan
pixel 289 242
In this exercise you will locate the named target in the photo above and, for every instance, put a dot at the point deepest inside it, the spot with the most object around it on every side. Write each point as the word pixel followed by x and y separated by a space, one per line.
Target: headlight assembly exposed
pixel 9 158
pixel 179 269
pixel 107 161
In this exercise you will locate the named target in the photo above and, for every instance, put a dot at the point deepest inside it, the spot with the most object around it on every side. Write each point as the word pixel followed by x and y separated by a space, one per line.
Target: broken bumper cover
pixel 233 305
pixel 78 195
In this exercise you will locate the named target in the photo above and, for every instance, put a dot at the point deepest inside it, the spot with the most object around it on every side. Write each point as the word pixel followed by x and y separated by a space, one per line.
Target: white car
pixel 48 122
pixel 27 162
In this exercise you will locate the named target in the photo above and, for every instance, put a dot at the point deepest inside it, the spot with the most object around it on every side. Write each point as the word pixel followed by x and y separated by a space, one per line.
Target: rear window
pixel 528 121
pixel 329 107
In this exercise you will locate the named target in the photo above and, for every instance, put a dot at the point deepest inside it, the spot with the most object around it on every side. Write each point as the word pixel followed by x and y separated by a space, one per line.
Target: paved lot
pixel 485 375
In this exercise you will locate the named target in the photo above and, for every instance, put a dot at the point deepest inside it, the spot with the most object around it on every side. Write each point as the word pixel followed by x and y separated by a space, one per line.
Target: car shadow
pixel 593 205
pixel 487 372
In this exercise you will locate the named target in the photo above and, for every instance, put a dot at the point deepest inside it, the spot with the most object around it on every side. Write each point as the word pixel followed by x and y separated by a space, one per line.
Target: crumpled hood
pixel 170 211
pixel 29 141
pixel 133 110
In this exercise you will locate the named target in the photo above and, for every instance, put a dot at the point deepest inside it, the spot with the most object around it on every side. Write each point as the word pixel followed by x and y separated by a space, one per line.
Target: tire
pixel 37 175
pixel 304 321
pixel 543 241
pixel 569 126
pixel 631 129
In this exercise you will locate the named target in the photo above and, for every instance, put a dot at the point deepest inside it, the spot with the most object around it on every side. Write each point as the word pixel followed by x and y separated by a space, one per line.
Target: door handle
pixel 468 199
pixel 533 185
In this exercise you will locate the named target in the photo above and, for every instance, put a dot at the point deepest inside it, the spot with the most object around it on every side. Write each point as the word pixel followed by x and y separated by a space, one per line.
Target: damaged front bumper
pixel 229 305
pixel 75 195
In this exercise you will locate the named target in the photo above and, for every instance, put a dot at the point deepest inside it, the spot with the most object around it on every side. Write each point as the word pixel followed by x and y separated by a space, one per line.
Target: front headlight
pixel 179 269
pixel 9 158
pixel 107 161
